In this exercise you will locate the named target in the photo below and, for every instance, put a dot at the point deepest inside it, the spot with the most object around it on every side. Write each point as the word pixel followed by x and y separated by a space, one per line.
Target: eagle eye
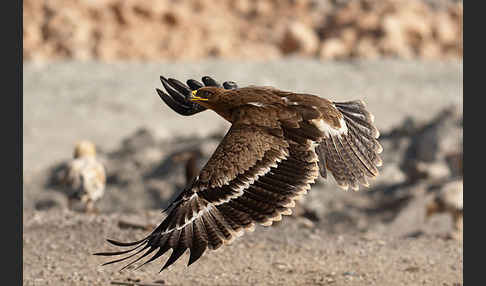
pixel 203 93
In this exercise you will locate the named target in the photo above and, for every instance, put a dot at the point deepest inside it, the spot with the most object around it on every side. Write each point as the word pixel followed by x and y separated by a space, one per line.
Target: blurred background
pixel 112 30
pixel 91 68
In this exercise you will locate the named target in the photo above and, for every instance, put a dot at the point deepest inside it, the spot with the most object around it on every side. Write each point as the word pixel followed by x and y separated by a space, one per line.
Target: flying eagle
pixel 278 144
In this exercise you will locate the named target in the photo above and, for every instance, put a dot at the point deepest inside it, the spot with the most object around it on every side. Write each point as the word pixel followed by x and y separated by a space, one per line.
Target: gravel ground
pixel 68 101
pixel 287 254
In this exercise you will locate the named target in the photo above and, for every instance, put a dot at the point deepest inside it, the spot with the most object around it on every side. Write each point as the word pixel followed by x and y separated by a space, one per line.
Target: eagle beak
pixel 197 98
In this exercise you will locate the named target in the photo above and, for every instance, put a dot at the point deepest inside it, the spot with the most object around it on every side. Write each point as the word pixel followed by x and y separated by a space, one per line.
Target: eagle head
pixel 216 98
pixel 226 101
pixel 209 95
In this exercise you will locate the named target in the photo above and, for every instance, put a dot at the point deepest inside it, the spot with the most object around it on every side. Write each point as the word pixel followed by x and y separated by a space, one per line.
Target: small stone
pixel 330 280
pixel 412 269
pixel 305 222
pixel 280 266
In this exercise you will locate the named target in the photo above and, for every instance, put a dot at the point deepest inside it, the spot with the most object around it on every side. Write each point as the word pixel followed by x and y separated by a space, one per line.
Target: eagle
pixel 278 144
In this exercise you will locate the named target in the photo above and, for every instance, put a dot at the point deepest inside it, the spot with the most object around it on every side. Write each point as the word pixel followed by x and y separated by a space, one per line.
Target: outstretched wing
pixel 254 176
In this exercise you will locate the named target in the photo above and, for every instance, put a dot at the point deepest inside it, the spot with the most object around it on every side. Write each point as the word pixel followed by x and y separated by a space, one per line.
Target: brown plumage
pixel 277 145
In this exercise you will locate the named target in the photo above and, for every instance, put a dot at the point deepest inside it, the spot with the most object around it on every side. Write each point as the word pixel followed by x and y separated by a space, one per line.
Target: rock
pixel 50 201
pixel 443 135
pixel 149 155
pixel 394 41
pixel 260 51
pixel 433 171
pixel 369 22
pixel 449 199
pixel 299 38
pixel 305 222
pixel 348 14
pixel 349 36
pixel 446 29
pixel 452 194
pixel 141 139
pixel 242 6
pixel 455 163
pixel 390 174
pixel 122 30
pixel 367 49
pixel 264 8
pixel 333 49
pixel 431 50
pixel 410 218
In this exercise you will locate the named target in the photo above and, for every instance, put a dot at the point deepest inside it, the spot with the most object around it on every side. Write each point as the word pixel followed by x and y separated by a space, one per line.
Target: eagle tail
pixel 351 155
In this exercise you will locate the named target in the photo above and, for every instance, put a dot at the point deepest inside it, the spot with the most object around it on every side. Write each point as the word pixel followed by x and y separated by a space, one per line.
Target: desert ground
pixel 377 236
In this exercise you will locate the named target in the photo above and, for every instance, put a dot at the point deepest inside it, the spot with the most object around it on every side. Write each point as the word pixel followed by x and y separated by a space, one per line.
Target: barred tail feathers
pixel 352 153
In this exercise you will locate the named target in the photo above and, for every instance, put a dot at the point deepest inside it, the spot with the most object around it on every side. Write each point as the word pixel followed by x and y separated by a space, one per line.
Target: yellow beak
pixel 197 98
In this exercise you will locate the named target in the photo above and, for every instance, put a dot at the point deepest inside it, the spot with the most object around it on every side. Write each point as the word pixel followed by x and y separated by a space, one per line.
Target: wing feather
pixel 350 150
pixel 232 194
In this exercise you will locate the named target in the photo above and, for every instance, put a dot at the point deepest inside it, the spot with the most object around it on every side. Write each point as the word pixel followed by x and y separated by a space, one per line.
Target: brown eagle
pixel 278 144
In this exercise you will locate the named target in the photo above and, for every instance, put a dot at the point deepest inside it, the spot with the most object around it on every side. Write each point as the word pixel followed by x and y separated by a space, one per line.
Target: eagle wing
pixel 253 177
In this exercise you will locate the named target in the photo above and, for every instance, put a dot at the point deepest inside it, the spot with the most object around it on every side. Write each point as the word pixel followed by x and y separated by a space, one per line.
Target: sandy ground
pixel 348 245
pixel 287 254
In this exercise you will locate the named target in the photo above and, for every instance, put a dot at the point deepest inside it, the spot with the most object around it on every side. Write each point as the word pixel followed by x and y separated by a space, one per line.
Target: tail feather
pixel 366 148
pixel 333 162
pixel 366 130
pixel 369 167
pixel 352 163
pixel 348 170
pixel 356 108
pixel 352 155
pixel 364 135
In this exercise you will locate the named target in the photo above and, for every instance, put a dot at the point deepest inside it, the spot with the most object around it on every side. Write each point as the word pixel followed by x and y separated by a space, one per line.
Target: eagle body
pixel 278 144
pixel 283 104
